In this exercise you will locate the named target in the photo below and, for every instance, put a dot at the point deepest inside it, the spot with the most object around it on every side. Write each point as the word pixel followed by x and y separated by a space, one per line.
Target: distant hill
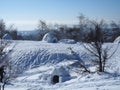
pixel 35 35
pixel 28 32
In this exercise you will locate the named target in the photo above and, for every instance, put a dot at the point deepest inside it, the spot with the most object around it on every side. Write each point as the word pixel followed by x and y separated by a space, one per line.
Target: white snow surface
pixel 30 54
pixel 35 62
pixel 67 41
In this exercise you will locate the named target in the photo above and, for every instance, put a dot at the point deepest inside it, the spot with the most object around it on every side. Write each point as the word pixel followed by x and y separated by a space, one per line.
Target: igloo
pixel 58 75
pixel 50 38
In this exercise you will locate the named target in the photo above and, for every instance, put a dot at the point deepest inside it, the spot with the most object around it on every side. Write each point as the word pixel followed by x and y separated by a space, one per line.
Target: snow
pixel 36 62
pixel 67 41
pixel 50 38
pixel 117 40
pixel 91 82
pixel 31 54
pixel 15 88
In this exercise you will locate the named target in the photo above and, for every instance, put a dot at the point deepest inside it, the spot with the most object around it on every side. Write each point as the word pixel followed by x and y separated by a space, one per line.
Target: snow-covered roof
pixel 61 71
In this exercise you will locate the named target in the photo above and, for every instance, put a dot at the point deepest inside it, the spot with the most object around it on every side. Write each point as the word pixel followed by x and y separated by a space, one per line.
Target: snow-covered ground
pixel 35 62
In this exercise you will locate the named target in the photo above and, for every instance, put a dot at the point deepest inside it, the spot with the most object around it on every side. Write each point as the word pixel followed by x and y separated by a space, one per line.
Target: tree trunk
pixel 100 62
pixel 3 86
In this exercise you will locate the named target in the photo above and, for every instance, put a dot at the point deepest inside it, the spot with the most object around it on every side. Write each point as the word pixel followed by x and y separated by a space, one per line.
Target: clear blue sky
pixel 26 13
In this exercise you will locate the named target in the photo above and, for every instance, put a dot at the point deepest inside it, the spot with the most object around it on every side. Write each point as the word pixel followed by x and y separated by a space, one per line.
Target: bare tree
pixel 12 30
pixel 42 25
pixel 8 76
pixel 82 20
pixel 83 26
pixel 82 66
pixel 6 73
pixel 2 28
pixel 96 49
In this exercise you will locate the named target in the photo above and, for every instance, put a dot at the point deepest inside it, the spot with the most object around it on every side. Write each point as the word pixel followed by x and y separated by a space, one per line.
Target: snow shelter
pixel 50 38
pixel 59 74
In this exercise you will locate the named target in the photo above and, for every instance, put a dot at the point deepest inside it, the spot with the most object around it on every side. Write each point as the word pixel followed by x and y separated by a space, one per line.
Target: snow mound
pixel 67 41
pixel 50 38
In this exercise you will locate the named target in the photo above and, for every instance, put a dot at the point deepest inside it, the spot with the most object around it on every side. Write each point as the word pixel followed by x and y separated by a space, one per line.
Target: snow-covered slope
pixel 31 80
pixel 37 60
pixel 29 54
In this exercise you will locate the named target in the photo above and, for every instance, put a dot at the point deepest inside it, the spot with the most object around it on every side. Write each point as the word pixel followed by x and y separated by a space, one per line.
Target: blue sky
pixel 26 13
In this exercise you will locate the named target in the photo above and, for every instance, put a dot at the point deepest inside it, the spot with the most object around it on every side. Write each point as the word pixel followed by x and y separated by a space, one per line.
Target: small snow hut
pixel 50 38
pixel 59 74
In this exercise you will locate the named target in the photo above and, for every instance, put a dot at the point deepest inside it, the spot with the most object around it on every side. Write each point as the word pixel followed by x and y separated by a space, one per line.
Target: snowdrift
pixel 67 41
pixel 41 63
pixel 30 54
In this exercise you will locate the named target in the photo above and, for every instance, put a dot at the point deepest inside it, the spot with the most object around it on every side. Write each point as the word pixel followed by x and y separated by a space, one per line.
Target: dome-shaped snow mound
pixel 50 38
pixel 117 40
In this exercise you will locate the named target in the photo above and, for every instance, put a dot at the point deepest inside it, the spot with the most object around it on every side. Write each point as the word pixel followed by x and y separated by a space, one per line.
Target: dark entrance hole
pixel 55 79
